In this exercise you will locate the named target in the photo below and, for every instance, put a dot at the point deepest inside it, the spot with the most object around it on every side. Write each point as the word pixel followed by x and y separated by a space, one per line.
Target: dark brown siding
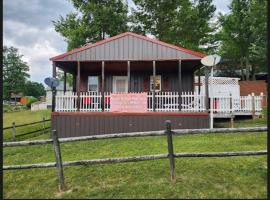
pixel 139 81
pixel 82 124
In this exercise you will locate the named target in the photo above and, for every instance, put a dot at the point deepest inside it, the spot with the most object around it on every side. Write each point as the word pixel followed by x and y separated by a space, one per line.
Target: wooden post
pixel 43 125
pixel 102 84
pixel 253 105
pixel 128 74
pixel 13 131
pixel 154 85
pixel 206 78
pixel 65 82
pixel 180 83
pixel 53 88
pixel 199 82
pixel 74 82
pixel 54 70
pixel 58 158
pixel 78 84
pixel 168 132
pixel 232 122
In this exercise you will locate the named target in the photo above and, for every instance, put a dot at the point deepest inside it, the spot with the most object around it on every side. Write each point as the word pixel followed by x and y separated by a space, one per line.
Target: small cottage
pixel 128 83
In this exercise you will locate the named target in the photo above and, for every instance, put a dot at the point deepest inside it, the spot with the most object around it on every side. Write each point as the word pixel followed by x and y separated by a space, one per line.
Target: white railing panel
pixel 192 102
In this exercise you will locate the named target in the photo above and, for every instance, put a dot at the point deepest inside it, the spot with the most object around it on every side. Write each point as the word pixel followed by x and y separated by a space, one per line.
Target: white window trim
pixel 88 83
pixel 120 78
pixel 153 80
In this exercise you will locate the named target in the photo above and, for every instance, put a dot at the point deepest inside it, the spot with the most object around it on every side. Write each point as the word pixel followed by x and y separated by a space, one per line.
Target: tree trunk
pixel 242 69
pixel 247 68
pixel 253 72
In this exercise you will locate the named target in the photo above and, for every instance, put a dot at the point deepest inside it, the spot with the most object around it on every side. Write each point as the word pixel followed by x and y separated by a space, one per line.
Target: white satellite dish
pixel 210 60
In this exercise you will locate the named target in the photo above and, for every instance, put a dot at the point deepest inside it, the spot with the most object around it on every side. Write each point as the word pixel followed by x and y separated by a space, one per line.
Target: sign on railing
pixel 128 102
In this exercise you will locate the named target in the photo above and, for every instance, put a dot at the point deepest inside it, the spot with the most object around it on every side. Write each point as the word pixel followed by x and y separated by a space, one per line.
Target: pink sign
pixel 128 102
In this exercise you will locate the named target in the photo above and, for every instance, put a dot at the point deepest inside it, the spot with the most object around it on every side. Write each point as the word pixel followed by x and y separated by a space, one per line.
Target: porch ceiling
pixel 135 66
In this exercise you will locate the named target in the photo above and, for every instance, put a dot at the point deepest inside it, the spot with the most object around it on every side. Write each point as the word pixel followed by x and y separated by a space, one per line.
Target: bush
pixel 31 100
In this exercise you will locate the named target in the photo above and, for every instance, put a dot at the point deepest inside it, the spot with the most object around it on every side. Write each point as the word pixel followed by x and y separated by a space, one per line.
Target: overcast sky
pixel 28 26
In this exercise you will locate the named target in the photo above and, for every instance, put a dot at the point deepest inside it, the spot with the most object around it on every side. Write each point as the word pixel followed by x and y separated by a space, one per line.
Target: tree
pixel 34 89
pixel 15 72
pixel 69 78
pixel 258 58
pixel 243 35
pixel 94 20
pixel 181 22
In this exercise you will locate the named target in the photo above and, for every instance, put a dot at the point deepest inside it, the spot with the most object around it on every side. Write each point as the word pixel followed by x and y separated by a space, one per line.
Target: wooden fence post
pixel 13 131
pixel 43 125
pixel 58 158
pixel 170 147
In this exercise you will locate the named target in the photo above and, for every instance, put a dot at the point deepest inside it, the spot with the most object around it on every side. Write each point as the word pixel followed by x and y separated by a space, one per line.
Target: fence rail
pixel 176 132
pixel 14 126
pixel 171 155
pixel 20 125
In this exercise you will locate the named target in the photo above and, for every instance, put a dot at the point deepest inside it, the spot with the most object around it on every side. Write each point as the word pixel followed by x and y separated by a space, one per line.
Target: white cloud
pixel 27 25
pixel 42 45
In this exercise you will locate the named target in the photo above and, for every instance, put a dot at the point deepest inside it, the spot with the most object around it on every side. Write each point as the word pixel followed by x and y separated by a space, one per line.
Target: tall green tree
pixel 243 35
pixel 15 72
pixel 93 21
pixel 182 22
pixel 34 89
pixel 61 77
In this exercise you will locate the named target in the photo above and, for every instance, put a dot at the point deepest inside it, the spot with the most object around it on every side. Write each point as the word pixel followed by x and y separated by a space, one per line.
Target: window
pixel 120 83
pixel 157 85
pixel 93 84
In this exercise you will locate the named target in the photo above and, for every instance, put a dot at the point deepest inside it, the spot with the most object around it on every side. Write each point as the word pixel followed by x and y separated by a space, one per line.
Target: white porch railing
pixel 243 104
pixel 192 102
pixel 164 102
pixel 66 102
pixel 90 101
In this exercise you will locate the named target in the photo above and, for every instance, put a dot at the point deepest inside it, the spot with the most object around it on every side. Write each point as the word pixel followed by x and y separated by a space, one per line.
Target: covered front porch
pixel 168 85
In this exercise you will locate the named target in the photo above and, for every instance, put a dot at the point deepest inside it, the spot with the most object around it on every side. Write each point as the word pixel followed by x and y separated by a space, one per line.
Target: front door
pixel 120 84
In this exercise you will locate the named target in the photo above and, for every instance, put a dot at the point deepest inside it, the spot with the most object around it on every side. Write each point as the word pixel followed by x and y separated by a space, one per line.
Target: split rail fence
pixel 15 133
pixel 170 155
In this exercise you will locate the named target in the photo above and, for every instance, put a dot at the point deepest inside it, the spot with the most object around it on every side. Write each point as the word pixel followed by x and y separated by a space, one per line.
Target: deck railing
pixel 243 104
pixel 164 102
pixel 192 102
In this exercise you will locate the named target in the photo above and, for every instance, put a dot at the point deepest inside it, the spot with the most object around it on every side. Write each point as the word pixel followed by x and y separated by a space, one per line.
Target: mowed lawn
pixel 24 117
pixel 232 177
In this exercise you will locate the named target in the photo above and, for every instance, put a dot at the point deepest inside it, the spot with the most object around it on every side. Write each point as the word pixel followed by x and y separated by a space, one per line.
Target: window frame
pixel 88 84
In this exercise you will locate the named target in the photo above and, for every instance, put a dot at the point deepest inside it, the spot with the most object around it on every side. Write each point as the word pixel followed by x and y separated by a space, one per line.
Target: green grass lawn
pixel 233 177
pixel 23 117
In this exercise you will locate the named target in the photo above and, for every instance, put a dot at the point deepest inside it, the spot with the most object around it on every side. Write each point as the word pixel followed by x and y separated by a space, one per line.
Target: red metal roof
pixel 195 53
